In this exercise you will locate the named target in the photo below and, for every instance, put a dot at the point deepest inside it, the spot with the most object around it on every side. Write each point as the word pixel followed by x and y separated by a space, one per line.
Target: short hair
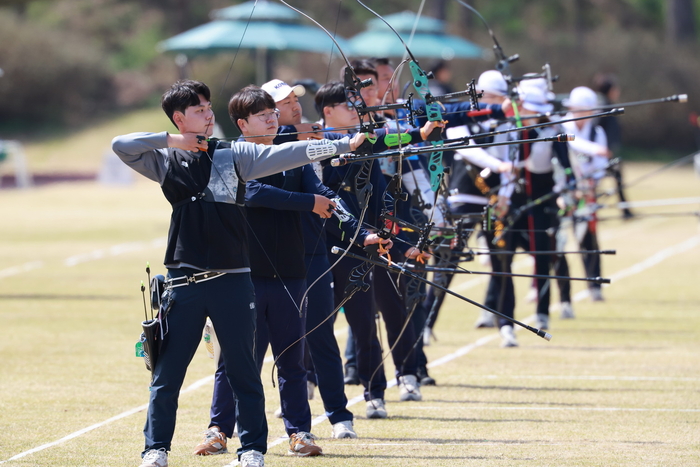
pixel 248 101
pixel 440 65
pixel 378 61
pixel 364 67
pixel 183 94
pixel 330 94
pixel 604 82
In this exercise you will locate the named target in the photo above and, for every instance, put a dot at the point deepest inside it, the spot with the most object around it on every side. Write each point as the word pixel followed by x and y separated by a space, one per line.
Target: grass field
pixel 617 386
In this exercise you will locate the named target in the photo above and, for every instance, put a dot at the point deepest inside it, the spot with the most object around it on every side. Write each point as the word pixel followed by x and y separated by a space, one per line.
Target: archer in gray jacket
pixel 207 256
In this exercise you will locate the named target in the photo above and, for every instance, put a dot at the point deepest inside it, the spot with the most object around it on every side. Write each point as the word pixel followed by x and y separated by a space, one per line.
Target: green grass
pixel 82 151
pixel 616 386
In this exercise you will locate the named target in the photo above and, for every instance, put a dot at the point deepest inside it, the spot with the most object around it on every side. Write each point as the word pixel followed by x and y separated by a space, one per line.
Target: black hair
pixel 248 101
pixel 604 82
pixel 328 95
pixel 183 94
pixel 364 67
pixel 377 61
pixel 439 65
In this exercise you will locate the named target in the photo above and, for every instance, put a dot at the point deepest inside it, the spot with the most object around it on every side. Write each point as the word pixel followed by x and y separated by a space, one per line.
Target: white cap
pixel 279 90
pixel 535 98
pixel 492 81
pixel 540 83
pixel 581 98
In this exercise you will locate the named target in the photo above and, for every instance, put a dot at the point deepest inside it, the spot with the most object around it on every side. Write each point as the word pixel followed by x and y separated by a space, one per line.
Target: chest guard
pixel 225 185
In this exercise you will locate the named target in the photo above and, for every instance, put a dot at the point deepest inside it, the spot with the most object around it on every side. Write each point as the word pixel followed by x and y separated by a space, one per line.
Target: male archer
pixel 207 256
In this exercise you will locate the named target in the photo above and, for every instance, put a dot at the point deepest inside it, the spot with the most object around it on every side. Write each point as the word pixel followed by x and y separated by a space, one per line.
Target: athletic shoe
pixel 351 376
pixel 424 377
pixel 302 444
pixel 596 294
pixel 531 296
pixel 342 430
pixel 486 320
pixel 508 336
pixel 252 459
pixel 310 389
pixel 567 312
pixel 278 412
pixel 376 409
pixel 214 442
pixel 409 389
pixel 155 458
pixel 542 321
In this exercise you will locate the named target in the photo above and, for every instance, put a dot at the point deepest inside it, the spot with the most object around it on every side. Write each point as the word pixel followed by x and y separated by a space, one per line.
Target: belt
pixel 195 278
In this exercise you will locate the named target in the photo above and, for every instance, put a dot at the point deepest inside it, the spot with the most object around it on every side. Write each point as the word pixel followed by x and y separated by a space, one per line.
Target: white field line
pixel 647 263
pixel 637 268
pixel 74 260
pixel 655 202
pixel 114 250
pixel 26 267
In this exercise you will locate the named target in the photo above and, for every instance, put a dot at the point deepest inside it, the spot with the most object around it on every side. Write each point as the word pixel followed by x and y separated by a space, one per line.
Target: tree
pixel 680 21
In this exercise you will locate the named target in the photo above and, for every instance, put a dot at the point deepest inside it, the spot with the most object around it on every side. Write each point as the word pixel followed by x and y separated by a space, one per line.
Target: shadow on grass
pixel 542 389
pixel 62 297
pixel 394 456
pixel 605 349
pixel 462 441
pixel 476 420
pixel 462 402
pixel 650 303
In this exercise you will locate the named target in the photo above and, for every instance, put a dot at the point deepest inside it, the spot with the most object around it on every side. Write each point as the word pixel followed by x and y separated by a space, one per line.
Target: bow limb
pixel 353 85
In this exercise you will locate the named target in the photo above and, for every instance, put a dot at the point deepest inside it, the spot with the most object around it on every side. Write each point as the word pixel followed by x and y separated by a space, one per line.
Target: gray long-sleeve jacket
pixel 206 190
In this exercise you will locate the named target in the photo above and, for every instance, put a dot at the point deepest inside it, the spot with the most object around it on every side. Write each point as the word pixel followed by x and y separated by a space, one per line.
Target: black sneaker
pixel 424 377
pixel 351 376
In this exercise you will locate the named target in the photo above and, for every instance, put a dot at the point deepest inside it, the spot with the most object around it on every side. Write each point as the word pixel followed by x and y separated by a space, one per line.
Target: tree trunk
pixel 680 21
pixel 439 9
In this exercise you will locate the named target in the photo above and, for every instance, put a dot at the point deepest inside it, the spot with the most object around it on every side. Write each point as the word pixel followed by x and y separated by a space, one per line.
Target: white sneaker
pixel 485 320
pixel 310 389
pixel 278 412
pixel 376 409
pixel 567 312
pixel 252 459
pixel 542 321
pixel 155 458
pixel 508 336
pixel 531 296
pixel 409 389
pixel 342 430
pixel 596 294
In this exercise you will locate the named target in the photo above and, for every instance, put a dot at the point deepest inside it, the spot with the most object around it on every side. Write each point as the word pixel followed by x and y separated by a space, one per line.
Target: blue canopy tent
pixel 428 41
pixel 272 27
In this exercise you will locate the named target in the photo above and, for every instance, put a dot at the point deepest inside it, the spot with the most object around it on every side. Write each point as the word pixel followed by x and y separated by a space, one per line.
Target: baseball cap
pixel 492 81
pixel 535 98
pixel 279 90
pixel 581 98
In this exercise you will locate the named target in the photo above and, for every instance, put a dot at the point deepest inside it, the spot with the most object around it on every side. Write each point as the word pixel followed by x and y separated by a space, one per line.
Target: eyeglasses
pixel 265 116
pixel 348 104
